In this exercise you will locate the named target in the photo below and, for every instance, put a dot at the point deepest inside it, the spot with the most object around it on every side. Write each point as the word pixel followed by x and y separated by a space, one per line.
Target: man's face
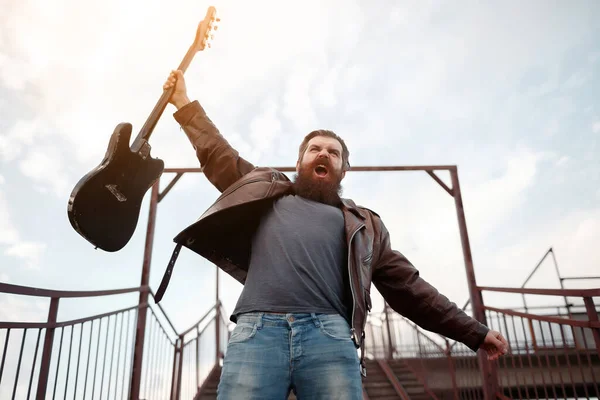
pixel 322 160
pixel 320 171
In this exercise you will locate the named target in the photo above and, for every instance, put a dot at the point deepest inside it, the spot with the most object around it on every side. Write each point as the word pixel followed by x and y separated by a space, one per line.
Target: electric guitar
pixel 105 204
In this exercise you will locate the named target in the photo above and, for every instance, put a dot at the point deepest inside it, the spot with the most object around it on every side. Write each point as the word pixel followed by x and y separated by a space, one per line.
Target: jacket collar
pixel 353 208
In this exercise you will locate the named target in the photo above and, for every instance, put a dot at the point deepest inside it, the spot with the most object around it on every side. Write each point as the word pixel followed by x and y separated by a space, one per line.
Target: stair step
pixel 381 392
pixel 369 384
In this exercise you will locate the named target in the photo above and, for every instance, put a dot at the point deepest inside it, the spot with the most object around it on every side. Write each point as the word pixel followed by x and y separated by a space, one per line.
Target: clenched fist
pixel 179 97
pixel 495 345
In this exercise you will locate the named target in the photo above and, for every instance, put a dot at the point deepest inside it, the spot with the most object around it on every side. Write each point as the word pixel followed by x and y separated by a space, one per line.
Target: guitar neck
pixel 160 106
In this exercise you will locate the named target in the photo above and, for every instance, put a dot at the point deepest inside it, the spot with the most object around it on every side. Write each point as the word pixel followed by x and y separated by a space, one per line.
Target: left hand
pixel 494 345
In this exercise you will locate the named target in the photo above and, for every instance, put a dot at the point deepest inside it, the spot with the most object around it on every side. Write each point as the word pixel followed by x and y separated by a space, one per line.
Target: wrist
pixel 181 102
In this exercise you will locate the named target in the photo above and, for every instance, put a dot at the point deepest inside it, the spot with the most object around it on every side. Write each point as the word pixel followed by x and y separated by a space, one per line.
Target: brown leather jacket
pixel 223 235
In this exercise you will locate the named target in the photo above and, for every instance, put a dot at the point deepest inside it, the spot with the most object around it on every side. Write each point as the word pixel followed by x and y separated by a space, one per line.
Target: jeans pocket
pixel 243 332
pixel 335 328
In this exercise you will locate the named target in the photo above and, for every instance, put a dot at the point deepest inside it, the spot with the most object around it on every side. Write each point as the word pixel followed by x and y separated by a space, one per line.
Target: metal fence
pixel 92 357
pixel 554 355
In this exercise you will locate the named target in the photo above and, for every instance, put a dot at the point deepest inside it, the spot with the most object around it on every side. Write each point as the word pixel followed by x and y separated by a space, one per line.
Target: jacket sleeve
pixel 407 293
pixel 220 162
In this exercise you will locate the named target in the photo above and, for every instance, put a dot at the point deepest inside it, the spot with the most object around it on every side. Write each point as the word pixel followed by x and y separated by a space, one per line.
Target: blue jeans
pixel 270 354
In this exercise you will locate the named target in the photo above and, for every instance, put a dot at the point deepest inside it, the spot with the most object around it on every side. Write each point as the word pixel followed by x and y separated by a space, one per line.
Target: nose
pixel 323 153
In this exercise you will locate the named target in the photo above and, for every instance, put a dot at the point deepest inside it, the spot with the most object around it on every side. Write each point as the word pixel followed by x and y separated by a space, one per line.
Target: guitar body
pixel 104 206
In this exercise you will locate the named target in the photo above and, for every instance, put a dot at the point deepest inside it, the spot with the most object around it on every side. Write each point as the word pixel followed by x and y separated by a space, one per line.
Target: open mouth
pixel 321 170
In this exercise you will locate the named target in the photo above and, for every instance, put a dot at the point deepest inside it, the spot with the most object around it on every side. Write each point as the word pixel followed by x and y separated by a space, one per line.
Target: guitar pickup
pixel 144 150
pixel 116 192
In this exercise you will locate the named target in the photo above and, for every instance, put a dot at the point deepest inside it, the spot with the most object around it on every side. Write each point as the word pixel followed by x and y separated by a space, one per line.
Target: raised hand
pixel 179 96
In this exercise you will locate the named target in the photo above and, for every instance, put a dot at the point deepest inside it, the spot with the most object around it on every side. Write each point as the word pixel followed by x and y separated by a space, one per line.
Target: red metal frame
pixel 490 388
pixel 488 370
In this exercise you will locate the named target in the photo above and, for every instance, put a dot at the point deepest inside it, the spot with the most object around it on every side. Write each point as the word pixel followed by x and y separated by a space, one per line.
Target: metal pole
pixel 531 275
pixel 217 321
pixel 452 370
pixel 488 370
pixel 560 280
pixel 174 374
pixel 197 359
pixel 390 352
pixel 140 331
pixel 47 350
pixel 179 368
pixel 590 309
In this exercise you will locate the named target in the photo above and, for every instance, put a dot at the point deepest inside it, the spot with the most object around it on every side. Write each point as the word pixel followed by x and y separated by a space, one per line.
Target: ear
pixel 343 174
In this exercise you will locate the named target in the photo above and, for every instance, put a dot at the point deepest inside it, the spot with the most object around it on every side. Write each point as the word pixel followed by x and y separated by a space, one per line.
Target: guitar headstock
pixel 206 28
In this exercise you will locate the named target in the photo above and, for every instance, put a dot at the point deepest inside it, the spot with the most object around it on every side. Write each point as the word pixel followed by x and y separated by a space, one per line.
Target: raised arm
pixel 221 163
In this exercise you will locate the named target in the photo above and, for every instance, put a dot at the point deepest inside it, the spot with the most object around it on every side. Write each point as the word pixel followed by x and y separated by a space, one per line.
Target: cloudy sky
pixel 508 91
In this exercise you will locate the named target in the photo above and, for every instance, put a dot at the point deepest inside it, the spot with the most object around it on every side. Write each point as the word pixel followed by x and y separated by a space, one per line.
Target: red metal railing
pixel 136 353
pixel 86 357
pixel 198 352
pixel 555 356
pixel 550 356
pixel 92 357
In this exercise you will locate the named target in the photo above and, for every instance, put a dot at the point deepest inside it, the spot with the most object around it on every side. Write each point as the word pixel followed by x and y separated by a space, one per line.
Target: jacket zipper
pixel 352 285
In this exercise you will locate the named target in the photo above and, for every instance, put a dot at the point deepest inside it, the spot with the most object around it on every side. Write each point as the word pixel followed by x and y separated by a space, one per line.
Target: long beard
pixel 327 191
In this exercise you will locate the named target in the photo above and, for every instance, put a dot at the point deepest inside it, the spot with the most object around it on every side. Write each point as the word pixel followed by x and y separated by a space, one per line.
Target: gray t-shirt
pixel 297 261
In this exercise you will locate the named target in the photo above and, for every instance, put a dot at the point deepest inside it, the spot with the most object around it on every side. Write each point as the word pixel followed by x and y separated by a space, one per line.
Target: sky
pixel 507 91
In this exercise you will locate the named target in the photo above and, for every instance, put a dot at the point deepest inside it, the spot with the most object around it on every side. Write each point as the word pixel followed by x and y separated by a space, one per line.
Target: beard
pixel 327 191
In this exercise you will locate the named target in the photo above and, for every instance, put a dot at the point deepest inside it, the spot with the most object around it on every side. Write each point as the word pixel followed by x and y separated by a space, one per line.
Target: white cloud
pixel 573 237
pixel 20 136
pixel 596 127
pixel 264 129
pixel 8 232
pixel 2 180
pixel 45 167
pixel 297 102
pixel 562 161
pixel 20 308
pixel 28 251
pixel 494 200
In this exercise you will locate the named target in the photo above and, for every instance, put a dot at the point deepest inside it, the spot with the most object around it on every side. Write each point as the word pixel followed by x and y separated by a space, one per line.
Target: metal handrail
pixel 42 325
pixel 543 318
pixel 191 328
pixel 38 292
pixel 545 292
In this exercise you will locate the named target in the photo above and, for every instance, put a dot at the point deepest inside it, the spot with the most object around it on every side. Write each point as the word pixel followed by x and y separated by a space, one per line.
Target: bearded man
pixel 306 258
